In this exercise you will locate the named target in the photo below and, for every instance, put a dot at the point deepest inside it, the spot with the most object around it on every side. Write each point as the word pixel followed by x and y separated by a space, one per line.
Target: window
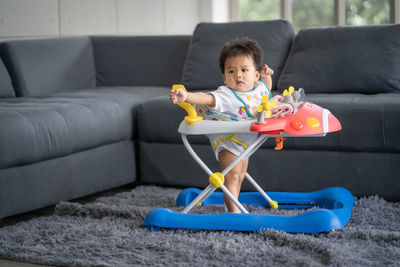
pixel 362 12
pixel 310 13
pixel 315 13
pixel 260 9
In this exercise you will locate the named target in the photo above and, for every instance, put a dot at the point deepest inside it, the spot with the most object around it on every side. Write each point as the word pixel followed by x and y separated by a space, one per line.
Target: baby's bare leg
pixel 234 178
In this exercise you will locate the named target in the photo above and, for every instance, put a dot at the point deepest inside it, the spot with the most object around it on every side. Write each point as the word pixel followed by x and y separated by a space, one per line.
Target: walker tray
pixel 334 210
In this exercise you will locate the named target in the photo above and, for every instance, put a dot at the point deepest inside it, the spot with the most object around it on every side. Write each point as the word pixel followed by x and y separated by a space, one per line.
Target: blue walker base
pixel 334 211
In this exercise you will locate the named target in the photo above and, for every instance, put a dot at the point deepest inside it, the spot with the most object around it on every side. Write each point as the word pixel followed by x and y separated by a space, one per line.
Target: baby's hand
pixel 266 71
pixel 177 96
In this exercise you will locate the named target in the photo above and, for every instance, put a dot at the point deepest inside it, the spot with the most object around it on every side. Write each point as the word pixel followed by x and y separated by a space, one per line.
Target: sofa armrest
pixel 41 67
pixel 6 88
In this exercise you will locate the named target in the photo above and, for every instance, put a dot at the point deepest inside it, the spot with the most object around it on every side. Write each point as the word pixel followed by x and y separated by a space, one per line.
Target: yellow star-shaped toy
pixel 288 91
pixel 266 106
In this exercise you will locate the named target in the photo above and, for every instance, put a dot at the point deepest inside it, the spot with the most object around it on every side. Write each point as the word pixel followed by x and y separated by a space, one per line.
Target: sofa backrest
pixel 6 88
pixel 345 59
pixel 42 67
pixel 202 68
pixel 139 60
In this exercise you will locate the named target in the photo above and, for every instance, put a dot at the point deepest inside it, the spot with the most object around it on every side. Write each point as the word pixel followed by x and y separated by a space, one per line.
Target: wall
pixel 48 18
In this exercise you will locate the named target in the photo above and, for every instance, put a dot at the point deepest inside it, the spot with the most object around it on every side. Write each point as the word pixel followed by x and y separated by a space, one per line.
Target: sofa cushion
pixel 36 129
pixel 6 88
pixel 139 60
pixel 345 59
pixel 128 97
pixel 202 71
pixel 45 66
pixel 370 123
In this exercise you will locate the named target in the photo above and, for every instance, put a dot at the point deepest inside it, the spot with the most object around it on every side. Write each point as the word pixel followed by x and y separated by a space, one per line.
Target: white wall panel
pixel 36 18
pixel 214 10
pixel 78 17
pixel 141 17
pixel 182 16
pixel 220 11
pixel 20 18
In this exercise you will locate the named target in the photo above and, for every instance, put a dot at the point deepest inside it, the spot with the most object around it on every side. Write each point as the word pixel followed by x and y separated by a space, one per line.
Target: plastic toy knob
pixel 274 205
pixel 216 179
pixel 313 123
pixel 297 124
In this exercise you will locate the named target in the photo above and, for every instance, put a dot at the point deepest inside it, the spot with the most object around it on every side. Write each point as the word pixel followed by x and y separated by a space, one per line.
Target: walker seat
pixel 333 204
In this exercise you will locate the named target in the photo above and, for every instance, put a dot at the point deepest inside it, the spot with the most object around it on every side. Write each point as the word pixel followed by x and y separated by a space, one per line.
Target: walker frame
pixel 310 121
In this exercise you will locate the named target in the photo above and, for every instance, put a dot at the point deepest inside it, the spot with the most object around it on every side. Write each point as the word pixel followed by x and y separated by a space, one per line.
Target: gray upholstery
pixel 40 129
pixel 6 88
pixel 45 183
pixel 201 69
pixel 127 97
pixel 161 65
pixel 44 66
pixel 345 60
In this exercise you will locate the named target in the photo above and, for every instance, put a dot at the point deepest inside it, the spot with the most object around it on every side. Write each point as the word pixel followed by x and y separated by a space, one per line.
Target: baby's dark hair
pixel 240 47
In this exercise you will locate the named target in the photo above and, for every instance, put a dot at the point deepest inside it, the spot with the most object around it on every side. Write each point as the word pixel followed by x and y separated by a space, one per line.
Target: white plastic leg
pixel 207 195
pixel 194 155
pixel 210 189
pixel 201 197
pixel 259 189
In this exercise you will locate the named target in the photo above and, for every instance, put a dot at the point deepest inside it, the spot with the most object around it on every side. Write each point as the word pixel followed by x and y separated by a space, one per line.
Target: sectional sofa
pixel 80 115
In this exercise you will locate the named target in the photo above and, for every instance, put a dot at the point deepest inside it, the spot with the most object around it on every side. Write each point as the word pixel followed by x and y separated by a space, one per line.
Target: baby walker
pixel 334 204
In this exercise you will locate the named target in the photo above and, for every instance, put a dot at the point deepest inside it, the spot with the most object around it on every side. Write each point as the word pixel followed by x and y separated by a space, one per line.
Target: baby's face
pixel 240 73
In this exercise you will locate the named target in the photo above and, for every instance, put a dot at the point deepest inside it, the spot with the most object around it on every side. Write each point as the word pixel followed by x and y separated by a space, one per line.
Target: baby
pixel 246 82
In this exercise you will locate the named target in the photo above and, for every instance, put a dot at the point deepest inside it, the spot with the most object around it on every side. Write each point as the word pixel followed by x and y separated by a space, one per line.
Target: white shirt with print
pixel 228 104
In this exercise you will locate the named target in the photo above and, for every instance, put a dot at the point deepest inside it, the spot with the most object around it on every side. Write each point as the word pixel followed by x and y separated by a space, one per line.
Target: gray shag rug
pixel 109 232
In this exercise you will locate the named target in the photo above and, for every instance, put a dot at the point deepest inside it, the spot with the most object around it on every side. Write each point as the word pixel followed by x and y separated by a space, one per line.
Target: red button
pixel 297 125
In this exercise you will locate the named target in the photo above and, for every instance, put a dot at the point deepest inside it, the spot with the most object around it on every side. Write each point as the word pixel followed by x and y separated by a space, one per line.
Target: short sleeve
pixel 223 99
